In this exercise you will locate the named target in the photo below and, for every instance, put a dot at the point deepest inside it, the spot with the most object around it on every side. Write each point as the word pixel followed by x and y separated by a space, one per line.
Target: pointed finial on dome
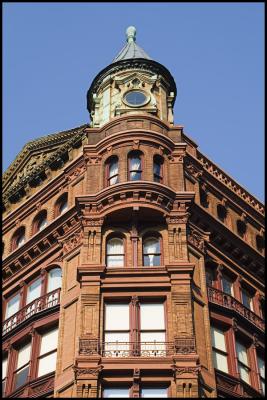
pixel 131 34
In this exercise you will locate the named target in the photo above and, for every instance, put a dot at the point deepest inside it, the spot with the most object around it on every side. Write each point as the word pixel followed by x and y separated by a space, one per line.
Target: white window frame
pixel 219 351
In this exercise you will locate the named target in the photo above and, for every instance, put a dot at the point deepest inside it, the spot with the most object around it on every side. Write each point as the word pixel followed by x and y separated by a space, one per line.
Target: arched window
pixel 135 166
pixel 152 252
pixel 112 170
pixel 54 279
pixel 158 169
pixel 115 252
pixel 18 238
pixel 61 205
pixel 40 221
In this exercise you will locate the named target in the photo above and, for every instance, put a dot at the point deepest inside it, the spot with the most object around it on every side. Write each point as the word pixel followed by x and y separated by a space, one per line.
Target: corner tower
pixel 132 264
pixel 132 84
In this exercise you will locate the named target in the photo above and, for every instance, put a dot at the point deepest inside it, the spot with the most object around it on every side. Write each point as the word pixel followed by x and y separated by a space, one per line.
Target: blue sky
pixel 52 52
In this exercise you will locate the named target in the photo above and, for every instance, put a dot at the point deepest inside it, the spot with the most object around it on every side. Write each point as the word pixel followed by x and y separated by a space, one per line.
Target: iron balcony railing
pixel 226 300
pixel 42 303
pixel 137 349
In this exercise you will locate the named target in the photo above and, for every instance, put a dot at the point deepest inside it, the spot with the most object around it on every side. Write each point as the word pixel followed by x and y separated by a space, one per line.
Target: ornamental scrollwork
pixel 93 222
pixel 191 168
pixel 196 240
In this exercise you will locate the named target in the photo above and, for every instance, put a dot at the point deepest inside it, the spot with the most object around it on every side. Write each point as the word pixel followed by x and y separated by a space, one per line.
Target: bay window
pixel 48 352
pixel 242 360
pixel 145 334
pixel 152 252
pixel 219 351
pixel 115 252
pixel 135 166
pixel 22 368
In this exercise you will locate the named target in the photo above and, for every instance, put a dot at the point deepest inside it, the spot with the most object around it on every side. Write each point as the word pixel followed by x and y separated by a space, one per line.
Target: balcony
pixel 216 296
pixel 45 302
pixel 137 349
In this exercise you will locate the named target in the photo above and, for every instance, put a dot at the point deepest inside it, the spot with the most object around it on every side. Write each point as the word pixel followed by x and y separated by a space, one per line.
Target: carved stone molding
pixel 93 222
pixel 77 172
pixel 178 219
pixel 186 370
pixel 87 371
pixel 196 240
pixel 193 170
pixel 73 241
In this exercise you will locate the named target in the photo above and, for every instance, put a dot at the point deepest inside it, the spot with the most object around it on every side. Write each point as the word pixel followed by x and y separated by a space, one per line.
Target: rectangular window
pixel 154 393
pixel 261 368
pixel 227 286
pixel 242 359
pixel 116 393
pixel 247 299
pixel 48 352
pixel 145 334
pixel 12 306
pixel 117 329
pixel 34 290
pixel 4 373
pixel 219 349
pixel 209 277
pixel 152 328
pixel 23 361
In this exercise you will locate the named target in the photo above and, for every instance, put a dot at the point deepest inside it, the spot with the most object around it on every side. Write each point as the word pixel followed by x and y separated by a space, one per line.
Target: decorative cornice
pixel 73 137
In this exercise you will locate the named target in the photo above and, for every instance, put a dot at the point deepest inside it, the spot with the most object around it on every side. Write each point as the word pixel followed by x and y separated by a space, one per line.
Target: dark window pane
pixel 227 286
pixel 21 377
pixel 151 260
pixel 135 176
pixel 135 98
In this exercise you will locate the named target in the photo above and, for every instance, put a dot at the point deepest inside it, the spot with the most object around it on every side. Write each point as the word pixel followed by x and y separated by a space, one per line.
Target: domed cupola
pixel 133 83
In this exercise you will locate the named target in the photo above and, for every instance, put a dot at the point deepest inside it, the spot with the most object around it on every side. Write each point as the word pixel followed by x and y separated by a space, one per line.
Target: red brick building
pixel 132 264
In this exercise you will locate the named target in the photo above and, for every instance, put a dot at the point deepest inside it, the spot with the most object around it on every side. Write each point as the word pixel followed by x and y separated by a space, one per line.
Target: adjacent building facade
pixel 132 264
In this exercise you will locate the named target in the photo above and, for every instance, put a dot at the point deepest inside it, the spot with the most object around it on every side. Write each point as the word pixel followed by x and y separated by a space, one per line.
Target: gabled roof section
pixel 131 50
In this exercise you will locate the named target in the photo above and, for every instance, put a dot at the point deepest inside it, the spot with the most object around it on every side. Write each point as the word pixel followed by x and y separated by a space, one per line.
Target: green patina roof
pixel 131 49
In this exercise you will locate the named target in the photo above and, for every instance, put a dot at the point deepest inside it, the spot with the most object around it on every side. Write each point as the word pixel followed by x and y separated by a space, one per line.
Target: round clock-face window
pixel 135 98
